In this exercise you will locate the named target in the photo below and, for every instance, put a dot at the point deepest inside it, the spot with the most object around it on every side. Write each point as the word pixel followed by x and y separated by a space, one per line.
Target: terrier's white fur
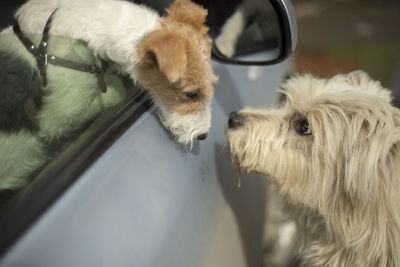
pixel 341 175
pixel 112 29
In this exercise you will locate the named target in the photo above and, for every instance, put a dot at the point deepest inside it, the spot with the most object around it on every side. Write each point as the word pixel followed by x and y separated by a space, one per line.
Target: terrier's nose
pixel 235 120
pixel 202 136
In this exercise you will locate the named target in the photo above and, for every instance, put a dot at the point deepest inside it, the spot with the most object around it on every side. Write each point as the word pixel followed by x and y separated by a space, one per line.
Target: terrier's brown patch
pixel 175 61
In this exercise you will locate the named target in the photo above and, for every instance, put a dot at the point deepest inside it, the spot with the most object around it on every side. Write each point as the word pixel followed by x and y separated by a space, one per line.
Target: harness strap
pixel 99 71
pixel 42 58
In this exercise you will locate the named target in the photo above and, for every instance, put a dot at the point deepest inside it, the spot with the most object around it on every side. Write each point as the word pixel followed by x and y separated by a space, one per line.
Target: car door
pixel 125 194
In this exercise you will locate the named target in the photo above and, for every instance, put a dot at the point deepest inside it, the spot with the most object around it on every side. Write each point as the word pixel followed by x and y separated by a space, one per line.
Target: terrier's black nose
pixel 235 120
pixel 202 136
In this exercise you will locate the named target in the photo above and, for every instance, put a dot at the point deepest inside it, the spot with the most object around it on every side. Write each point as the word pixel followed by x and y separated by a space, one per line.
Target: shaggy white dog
pixel 333 151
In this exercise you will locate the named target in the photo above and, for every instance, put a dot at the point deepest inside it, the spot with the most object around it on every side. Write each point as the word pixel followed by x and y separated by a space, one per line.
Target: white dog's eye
pixel 302 127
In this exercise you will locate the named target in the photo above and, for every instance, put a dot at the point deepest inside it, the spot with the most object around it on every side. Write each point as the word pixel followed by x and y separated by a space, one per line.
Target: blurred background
pixel 337 36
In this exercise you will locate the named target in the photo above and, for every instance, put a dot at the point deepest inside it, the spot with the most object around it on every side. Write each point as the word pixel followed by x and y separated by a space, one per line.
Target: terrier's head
pixel 176 68
pixel 332 141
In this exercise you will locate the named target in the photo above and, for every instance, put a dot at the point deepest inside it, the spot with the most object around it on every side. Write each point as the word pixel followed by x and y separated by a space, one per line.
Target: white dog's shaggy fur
pixel 333 150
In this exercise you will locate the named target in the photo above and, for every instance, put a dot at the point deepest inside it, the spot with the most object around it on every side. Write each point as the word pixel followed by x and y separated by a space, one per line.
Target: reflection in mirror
pixel 44 108
pixel 245 30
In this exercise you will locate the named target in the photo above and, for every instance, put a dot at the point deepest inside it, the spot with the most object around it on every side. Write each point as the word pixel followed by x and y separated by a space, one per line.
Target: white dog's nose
pixel 235 120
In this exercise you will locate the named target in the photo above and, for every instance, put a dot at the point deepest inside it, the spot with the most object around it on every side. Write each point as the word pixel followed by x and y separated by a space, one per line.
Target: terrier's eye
pixel 191 95
pixel 302 127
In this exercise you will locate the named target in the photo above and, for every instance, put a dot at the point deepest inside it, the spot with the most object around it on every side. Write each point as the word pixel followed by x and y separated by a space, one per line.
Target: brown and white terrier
pixel 169 56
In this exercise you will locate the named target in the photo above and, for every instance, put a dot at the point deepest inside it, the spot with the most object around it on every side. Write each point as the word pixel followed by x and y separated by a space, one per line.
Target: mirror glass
pixel 245 30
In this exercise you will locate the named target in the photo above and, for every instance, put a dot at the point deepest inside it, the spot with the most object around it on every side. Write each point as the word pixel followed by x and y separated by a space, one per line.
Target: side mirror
pixel 251 32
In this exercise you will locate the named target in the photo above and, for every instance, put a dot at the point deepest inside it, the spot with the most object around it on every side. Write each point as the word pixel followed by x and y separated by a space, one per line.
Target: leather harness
pixel 43 58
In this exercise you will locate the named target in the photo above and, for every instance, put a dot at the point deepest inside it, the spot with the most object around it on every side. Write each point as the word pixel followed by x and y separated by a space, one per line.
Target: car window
pixel 43 122
pixel 89 104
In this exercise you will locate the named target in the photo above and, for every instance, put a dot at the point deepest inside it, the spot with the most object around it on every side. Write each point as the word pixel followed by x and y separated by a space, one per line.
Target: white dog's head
pixel 175 67
pixel 333 147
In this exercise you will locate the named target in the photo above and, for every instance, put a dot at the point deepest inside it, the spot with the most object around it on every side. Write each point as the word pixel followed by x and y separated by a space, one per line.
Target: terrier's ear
pixel 370 162
pixel 358 78
pixel 185 11
pixel 393 143
pixel 363 81
pixel 167 51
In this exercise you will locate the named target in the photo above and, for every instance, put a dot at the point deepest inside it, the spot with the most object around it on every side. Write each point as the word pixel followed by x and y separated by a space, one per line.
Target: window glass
pixel 48 109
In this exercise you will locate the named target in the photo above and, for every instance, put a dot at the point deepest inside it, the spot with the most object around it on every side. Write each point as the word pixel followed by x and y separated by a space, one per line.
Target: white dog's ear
pixel 187 12
pixel 362 80
pixel 167 51
pixel 371 162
